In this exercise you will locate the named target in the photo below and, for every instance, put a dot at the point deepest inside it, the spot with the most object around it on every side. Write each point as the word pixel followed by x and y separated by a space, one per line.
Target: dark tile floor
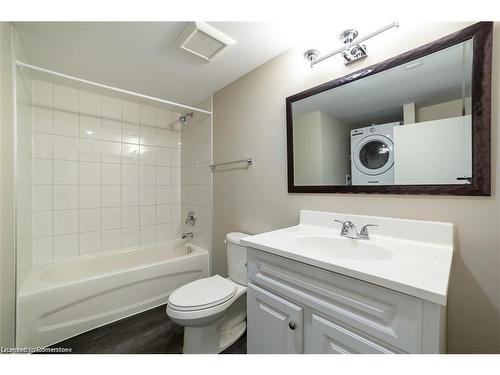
pixel 150 332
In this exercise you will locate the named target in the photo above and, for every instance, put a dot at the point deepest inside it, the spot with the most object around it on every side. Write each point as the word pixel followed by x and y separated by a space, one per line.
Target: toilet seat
pixel 202 294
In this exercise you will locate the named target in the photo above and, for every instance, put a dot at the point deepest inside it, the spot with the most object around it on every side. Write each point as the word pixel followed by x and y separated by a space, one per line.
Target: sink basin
pixel 409 256
pixel 333 246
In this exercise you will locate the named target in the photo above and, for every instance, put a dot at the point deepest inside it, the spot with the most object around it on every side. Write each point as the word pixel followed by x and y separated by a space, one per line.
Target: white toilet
pixel 213 310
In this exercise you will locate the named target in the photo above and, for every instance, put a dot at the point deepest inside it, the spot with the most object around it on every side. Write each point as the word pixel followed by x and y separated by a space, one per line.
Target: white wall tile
pixel 148 115
pixel 175 196
pixel 148 234
pixel 164 232
pixel 42 93
pixel 148 175
pixel 42 197
pixel 66 98
pixel 130 175
pixel 89 219
pixel 111 152
pixel 163 175
pixel 147 215
pixel 42 120
pixel 111 174
pixel 90 150
pixel 42 250
pixel 175 139
pixel 130 195
pixel 66 123
pixel 42 224
pixel 111 130
pixel 130 133
pixel 90 127
pixel 90 173
pixel 111 108
pixel 89 196
pixel 130 112
pixel 130 154
pixel 111 239
pixel 175 176
pixel 163 214
pixel 90 242
pixel 163 138
pixel 130 237
pixel 65 148
pixel 148 195
pixel 175 158
pixel 111 218
pixel 65 222
pixel 65 197
pixel 65 172
pixel 42 171
pixel 66 246
pixel 42 146
pixel 163 195
pixel 162 118
pixel 111 196
pixel 147 155
pixel 130 217
pixel 90 104
pixel 148 135
pixel 162 156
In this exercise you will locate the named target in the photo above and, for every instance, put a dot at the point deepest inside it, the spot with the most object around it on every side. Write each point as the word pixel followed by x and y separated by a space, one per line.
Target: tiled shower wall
pixel 24 222
pixel 197 177
pixel 106 173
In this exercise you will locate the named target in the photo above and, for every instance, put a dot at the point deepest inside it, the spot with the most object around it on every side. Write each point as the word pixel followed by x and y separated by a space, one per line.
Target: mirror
pixel 407 122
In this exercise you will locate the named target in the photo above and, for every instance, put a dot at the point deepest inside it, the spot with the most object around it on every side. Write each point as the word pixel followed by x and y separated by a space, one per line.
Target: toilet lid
pixel 202 294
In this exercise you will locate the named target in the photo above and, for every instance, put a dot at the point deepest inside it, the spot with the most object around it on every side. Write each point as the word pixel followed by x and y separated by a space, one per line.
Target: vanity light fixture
pixel 353 49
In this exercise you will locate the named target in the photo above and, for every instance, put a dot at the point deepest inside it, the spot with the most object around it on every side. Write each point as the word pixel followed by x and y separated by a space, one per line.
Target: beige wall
pixel 7 215
pixel 249 119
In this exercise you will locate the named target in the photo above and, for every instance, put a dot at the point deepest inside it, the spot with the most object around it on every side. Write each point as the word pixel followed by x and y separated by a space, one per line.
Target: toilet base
pixel 217 337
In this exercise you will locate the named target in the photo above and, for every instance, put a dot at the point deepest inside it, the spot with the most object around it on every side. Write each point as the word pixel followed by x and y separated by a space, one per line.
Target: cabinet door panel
pixel 327 337
pixel 269 318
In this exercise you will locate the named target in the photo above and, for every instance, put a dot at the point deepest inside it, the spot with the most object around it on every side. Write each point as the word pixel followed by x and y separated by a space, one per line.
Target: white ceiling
pixel 140 56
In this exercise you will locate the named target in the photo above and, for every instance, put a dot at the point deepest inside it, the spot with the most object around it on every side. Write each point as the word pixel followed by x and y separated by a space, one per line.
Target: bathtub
pixel 65 298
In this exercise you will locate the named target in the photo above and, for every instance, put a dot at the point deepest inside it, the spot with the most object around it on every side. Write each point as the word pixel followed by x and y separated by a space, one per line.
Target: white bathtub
pixel 68 297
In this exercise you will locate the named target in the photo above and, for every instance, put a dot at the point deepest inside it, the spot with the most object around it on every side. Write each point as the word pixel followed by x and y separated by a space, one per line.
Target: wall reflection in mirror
pixel 408 125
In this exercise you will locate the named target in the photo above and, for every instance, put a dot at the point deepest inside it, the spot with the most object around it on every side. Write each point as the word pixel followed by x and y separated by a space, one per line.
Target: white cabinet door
pixel 328 337
pixel 274 324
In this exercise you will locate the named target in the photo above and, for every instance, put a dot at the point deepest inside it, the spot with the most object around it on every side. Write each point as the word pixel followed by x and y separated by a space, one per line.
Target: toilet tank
pixel 236 258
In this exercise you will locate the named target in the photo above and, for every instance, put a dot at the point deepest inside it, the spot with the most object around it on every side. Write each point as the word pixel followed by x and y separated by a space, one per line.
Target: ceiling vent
pixel 203 41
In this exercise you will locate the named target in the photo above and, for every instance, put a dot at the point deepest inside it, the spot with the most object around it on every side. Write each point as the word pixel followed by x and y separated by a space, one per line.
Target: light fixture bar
pixel 111 88
pixel 355 42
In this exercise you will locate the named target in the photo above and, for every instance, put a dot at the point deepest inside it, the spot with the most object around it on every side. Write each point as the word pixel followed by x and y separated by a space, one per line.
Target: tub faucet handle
pixel 191 218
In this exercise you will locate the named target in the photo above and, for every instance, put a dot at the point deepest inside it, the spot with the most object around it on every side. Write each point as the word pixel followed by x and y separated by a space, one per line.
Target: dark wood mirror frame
pixel 482 34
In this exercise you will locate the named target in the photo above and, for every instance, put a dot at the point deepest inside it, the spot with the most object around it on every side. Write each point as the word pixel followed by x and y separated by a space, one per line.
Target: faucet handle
pixel 364 231
pixel 346 227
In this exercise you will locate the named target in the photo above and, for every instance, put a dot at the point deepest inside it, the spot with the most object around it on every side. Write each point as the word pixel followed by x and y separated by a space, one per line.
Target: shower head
pixel 183 119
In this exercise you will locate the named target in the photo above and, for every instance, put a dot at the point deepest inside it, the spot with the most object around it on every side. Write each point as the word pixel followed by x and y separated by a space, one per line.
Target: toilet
pixel 213 310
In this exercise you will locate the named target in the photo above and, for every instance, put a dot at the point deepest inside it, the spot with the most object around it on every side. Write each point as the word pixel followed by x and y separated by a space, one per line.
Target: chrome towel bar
pixel 248 162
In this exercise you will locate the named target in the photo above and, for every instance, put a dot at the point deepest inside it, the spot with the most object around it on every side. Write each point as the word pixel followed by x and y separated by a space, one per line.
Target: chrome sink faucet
pixel 349 230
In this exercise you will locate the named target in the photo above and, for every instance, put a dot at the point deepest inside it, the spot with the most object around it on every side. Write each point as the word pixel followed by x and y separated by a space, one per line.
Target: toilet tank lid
pixel 235 237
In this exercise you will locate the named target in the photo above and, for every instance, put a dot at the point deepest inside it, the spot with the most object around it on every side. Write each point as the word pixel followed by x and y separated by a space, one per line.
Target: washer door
pixel 373 155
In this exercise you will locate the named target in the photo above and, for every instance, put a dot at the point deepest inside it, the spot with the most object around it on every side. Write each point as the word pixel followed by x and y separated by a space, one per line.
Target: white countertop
pixel 418 265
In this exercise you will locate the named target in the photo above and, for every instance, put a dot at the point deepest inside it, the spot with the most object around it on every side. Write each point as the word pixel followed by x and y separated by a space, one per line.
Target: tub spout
pixel 187 234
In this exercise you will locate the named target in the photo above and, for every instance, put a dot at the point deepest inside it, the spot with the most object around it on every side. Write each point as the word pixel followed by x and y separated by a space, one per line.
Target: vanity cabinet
pixel 299 308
